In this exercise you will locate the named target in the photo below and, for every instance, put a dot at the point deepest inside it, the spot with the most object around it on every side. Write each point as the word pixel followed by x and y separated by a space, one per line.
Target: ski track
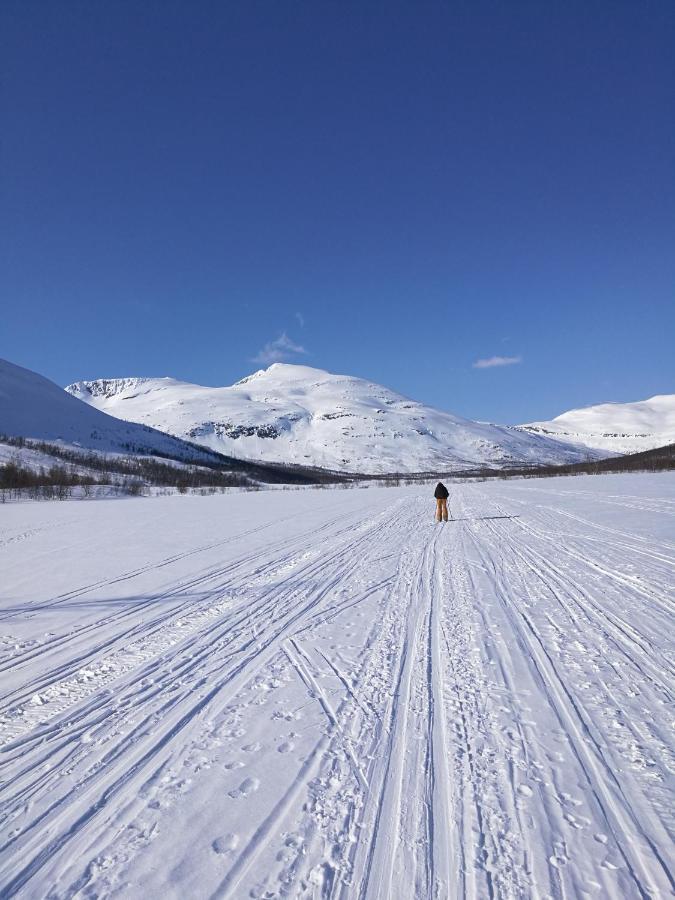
pixel 353 702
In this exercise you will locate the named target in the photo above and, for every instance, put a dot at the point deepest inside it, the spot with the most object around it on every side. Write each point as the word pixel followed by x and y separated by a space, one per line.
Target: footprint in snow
pixel 572 820
pixel 235 733
pixel 572 801
pixel 248 786
pixel 294 840
pixel 612 864
pixel 226 843
pixel 286 715
pixel 286 747
pixel 252 748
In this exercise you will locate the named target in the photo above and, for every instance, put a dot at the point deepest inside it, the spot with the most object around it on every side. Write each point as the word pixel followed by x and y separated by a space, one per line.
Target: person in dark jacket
pixel 441 494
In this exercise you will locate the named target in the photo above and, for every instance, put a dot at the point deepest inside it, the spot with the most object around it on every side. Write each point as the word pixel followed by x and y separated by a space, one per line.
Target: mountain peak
pixel 297 371
pixel 117 387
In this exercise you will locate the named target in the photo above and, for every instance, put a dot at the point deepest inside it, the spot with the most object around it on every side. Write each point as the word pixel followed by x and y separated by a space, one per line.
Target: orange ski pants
pixel 441 510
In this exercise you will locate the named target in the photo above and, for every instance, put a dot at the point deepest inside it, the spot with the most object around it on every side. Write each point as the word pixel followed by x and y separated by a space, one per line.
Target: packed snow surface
pixel 301 415
pixel 324 694
pixel 618 427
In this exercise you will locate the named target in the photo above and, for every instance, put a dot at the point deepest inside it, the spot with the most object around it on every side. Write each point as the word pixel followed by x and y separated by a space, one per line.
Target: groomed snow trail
pixel 323 694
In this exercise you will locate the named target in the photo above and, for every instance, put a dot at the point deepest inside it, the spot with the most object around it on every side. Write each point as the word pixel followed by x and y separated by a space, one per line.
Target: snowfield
pixel 322 693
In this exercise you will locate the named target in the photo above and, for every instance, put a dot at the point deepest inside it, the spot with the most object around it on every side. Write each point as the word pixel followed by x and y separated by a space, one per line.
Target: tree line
pixel 87 470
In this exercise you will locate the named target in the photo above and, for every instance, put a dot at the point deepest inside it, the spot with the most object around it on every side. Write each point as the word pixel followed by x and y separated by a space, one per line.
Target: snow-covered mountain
pixel 617 427
pixel 301 415
pixel 31 406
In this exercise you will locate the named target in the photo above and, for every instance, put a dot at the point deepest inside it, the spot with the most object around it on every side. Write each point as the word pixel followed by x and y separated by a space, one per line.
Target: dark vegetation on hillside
pixel 132 475
pixel 660 459
pixel 86 469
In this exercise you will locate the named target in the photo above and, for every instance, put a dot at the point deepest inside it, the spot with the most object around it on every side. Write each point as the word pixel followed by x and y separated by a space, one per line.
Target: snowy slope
pixel 32 406
pixel 297 414
pixel 322 694
pixel 618 427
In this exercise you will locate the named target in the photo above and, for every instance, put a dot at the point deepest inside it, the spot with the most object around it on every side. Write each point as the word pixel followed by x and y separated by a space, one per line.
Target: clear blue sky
pixel 398 189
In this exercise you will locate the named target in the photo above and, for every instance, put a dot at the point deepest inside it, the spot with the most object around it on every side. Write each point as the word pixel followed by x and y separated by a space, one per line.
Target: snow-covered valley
pixel 321 693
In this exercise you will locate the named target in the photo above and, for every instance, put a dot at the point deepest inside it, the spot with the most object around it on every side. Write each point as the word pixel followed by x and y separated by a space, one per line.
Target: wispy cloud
pixel 301 319
pixel 493 361
pixel 279 350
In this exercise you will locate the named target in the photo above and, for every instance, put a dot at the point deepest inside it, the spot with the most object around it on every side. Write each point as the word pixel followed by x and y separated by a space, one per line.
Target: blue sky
pixel 395 191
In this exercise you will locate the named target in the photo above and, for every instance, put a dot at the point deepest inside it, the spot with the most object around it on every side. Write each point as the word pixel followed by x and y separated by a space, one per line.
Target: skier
pixel 441 494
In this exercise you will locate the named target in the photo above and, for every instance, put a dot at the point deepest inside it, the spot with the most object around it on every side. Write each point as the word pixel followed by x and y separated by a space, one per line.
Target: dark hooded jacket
pixel 441 492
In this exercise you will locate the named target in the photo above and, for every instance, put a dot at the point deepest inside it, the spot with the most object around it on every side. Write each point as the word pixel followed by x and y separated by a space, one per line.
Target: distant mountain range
pixel 306 416
pixel 615 427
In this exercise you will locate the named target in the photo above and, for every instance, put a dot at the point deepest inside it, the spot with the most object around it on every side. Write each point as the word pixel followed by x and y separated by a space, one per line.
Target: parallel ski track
pixel 646 504
pixel 645 545
pixel 343 738
pixel 624 635
pixel 600 774
pixel 331 519
pixel 182 686
pixel 493 844
pixel 429 806
pixel 356 731
pixel 191 594
pixel 658 596
pixel 410 766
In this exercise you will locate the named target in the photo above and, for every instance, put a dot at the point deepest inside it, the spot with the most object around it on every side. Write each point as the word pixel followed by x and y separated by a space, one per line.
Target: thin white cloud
pixel 278 350
pixel 493 361
pixel 301 319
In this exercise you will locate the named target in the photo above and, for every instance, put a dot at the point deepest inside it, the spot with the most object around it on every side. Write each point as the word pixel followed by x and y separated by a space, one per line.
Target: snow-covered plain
pixel 322 693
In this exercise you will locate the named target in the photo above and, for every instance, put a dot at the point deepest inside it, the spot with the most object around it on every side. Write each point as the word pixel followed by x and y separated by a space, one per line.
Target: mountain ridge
pixel 617 427
pixel 33 406
pixel 303 415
